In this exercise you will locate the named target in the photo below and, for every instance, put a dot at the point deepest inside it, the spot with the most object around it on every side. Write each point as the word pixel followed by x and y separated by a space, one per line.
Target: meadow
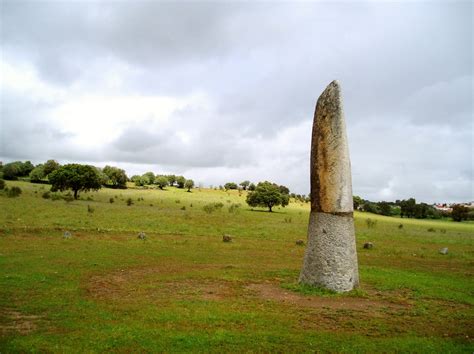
pixel 183 289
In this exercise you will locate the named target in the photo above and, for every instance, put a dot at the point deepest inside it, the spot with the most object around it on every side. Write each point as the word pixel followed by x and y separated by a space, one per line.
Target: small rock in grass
pixel 368 245
pixel 226 238
pixel 443 250
pixel 299 242
pixel 142 236
pixel 67 234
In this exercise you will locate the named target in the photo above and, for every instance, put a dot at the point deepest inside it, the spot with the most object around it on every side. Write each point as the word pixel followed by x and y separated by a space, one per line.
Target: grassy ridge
pixel 183 289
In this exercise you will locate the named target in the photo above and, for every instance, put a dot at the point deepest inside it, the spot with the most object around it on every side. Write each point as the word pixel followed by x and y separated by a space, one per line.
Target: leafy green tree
pixel 357 201
pixel 267 194
pixel 251 187
pixel 75 177
pixel 50 166
pixel 11 171
pixel 230 185
pixel 161 181
pixel 189 184
pixel 150 177
pixel 407 208
pixel 180 181
pixel 171 180
pixel 26 168
pixel 37 174
pixel 284 189
pixel 460 212
pixel 384 208
pixel 245 185
pixel 116 176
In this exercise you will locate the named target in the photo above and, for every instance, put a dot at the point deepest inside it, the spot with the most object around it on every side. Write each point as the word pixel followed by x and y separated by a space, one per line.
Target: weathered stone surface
pixel 368 245
pixel 331 257
pixel 227 238
pixel 443 250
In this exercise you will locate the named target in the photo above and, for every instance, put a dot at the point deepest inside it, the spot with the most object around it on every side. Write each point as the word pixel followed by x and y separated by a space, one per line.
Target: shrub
pixel 129 201
pixel 13 192
pixel 56 196
pixel 400 226
pixel 233 208
pixel 111 200
pixel 371 223
pixel 2 184
pixel 46 195
pixel 68 197
pixel 211 207
pixel 431 229
pixel 90 209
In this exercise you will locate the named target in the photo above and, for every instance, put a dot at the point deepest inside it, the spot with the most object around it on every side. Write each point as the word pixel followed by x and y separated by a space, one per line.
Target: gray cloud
pixel 406 71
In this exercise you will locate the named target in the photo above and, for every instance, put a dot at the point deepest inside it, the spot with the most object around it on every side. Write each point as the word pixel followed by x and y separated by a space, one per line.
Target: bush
pixel 111 200
pixel 90 209
pixel 68 197
pixel 46 195
pixel 129 201
pixel 2 184
pixel 371 223
pixel 13 192
pixel 233 208
pixel 56 196
pixel 211 207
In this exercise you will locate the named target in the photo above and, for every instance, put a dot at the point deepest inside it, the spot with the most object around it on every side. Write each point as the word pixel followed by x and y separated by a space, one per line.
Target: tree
pixel 230 185
pixel 180 181
pixel 150 177
pixel 245 185
pixel 50 166
pixel 267 194
pixel 161 181
pixel 171 179
pixel 407 208
pixel 37 174
pixel 251 187
pixel 284 189
pixel 189 184
pixel 75 177
pixel 116 176
pixel 460 212
pixel 11 170
pixel 357 202
pixel 384 208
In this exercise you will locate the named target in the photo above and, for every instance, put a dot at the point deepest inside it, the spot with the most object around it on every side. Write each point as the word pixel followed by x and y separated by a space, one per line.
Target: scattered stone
pixel 299 242
pixel 227 238
pixel 368 245
pixel 443 250
pixel 331 257
pixel 142 236
pixel 67 234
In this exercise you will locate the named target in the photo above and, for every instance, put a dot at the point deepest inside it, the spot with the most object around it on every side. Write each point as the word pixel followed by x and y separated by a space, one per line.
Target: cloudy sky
pixel 225 91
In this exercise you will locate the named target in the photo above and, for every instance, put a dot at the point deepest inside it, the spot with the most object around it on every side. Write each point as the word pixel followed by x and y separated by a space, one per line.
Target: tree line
pixel 83 178
pixel 409 208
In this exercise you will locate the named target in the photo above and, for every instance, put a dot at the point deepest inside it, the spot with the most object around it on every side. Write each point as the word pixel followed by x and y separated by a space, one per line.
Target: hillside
pixel 183 289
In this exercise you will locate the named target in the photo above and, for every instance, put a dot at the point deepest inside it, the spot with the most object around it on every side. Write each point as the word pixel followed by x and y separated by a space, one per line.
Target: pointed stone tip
pixel 333 86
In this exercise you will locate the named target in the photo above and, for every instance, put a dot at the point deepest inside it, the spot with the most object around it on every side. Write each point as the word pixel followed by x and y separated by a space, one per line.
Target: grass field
pixel 183 289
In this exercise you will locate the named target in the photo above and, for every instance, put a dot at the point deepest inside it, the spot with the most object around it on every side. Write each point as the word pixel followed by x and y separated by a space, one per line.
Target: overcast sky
pixel 225 91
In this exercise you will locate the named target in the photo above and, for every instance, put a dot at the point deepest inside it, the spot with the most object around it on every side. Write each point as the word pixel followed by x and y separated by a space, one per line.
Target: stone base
pixel 331 258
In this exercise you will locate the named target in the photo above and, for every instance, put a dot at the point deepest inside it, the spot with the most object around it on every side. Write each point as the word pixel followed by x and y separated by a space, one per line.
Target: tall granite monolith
pixel 330 260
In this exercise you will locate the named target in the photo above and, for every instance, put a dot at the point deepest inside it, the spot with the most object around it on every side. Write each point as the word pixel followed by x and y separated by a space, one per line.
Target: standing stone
pixel 331 258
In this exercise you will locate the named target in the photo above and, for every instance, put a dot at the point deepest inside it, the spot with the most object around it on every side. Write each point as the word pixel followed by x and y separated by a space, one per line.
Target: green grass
pixel 183 289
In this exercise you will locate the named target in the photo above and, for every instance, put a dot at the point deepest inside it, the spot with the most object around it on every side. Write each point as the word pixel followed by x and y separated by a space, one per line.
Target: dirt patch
pixel 12 321
pixel 273 292
pixel 151 284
